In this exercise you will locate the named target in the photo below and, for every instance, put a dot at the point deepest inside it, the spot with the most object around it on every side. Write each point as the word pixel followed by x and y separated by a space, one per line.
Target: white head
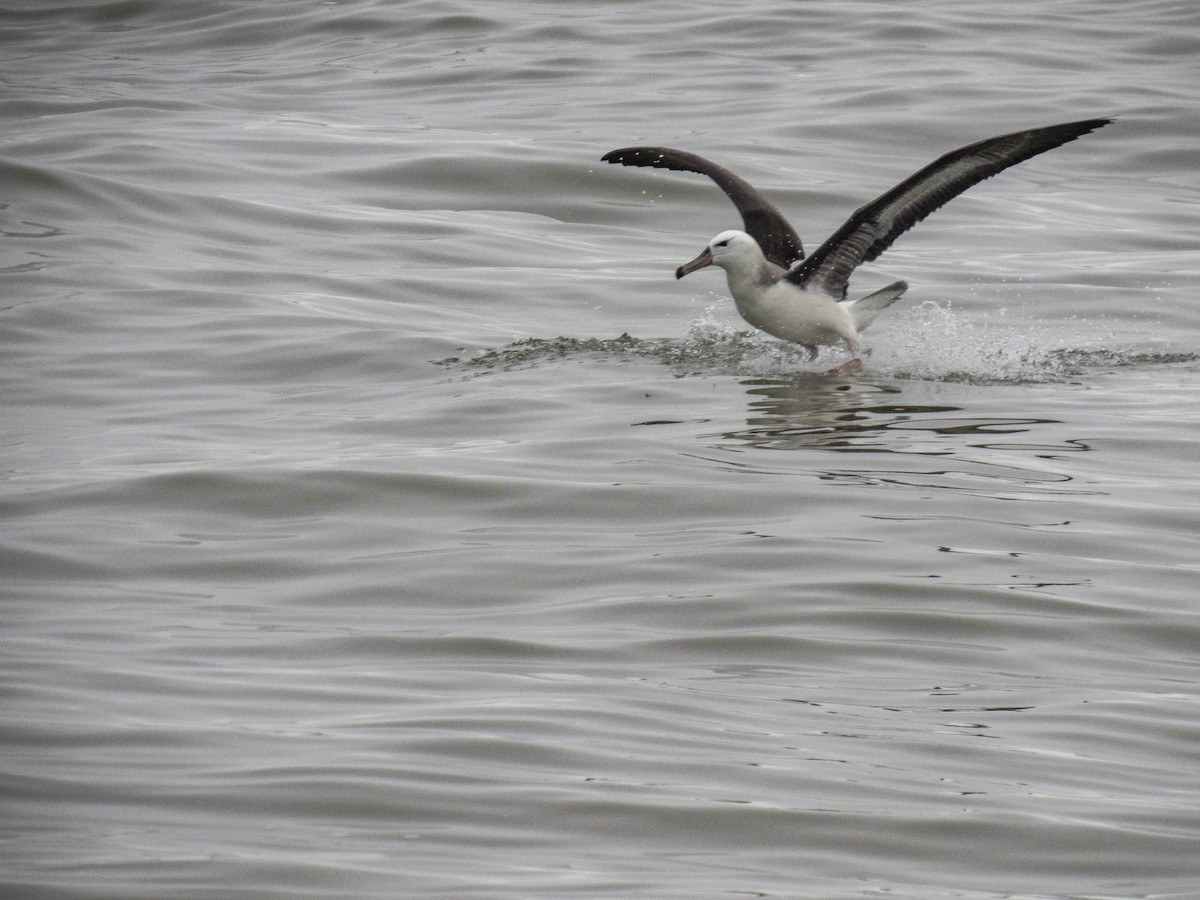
pixel 729 250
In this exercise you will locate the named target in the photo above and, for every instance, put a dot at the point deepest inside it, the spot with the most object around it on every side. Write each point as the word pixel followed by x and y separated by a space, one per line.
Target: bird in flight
pixel 803 298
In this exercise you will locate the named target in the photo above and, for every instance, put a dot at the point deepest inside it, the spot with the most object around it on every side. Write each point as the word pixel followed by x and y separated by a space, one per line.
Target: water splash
pixel 705 351
pixel 930 341
pixel 925 342
pixel 933 342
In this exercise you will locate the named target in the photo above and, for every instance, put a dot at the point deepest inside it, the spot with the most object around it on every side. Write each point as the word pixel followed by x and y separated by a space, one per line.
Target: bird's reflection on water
pixel 907 424
pixel 862 417
pixel 936 446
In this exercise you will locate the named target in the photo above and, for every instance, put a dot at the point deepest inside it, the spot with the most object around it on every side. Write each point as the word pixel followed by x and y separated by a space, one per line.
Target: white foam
pixel 926 341
pixel 934 341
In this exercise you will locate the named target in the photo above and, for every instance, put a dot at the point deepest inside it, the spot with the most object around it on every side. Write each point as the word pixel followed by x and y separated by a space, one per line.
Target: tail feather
pixel 865 309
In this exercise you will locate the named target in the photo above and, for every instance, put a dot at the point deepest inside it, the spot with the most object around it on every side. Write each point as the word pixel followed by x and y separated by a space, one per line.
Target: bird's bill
pixel 704 259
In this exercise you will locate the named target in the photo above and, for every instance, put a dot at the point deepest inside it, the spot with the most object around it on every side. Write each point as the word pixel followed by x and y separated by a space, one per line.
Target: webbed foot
pixel 851 365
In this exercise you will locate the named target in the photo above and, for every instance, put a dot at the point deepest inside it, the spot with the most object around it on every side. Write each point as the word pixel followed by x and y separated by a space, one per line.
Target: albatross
pixel 803 299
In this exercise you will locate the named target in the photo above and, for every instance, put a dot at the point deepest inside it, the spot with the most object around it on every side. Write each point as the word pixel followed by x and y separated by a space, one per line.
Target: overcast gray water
pixel 381 518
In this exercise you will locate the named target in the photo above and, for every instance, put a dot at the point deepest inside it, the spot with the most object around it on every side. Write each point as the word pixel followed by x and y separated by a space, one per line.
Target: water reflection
pixel 884 441
pixel 863 417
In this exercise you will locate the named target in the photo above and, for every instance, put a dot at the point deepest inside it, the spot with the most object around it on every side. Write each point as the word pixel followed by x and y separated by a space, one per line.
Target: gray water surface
pixel 382 519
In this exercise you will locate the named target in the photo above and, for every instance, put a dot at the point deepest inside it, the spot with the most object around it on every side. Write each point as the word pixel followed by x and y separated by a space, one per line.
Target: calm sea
pixel 381 518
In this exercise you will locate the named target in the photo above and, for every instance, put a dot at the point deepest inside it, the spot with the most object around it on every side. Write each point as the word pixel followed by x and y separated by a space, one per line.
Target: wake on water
pixel 925 342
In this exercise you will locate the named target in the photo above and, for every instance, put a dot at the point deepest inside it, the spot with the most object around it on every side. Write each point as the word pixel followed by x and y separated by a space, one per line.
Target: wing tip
pixel 1069 131
pixel 1087 126
pixel 640 156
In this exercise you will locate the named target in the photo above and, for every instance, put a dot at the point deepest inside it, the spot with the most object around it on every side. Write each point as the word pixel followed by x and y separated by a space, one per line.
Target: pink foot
pixel 851 365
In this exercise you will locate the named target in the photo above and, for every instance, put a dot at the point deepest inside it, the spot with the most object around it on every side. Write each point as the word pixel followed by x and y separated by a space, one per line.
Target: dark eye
pixel 724 243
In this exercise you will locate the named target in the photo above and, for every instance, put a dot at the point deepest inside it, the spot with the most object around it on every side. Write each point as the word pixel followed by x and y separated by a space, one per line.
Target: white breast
pixel 781 309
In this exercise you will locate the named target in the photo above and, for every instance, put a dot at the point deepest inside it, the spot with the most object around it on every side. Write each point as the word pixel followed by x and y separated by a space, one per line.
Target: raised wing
pixel 874 227
pixel 762 221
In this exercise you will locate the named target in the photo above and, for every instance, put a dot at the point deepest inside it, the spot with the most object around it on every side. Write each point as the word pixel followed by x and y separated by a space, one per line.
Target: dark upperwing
pixel 762 221
pixel 874 227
